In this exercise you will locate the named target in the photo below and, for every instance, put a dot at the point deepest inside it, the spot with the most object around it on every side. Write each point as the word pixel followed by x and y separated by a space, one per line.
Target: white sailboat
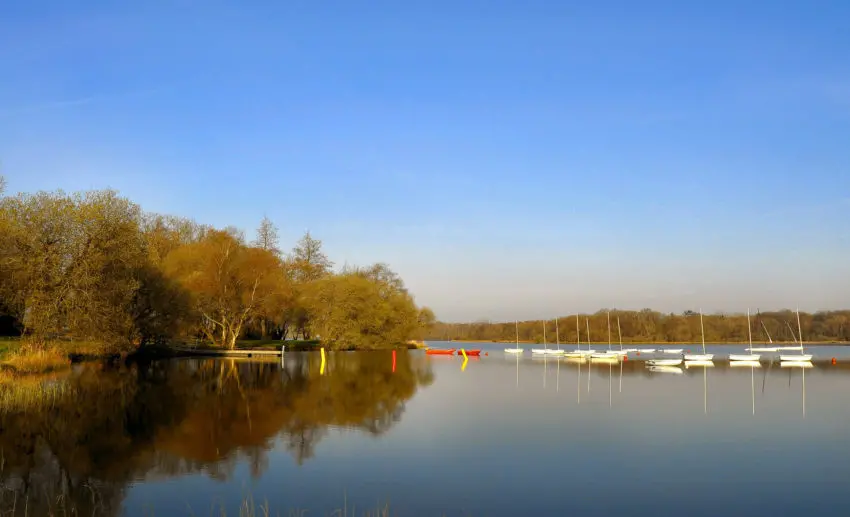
pixel 578 353
pixel 611 351
pixel 746 357
pixel 703 357
pixel 664 362
pixel 764 348
pixel 665 368
pixel 556 351
pixel 671 350
pixel 541 351
pixel 516 350
pixel 801 357
pixel 598 356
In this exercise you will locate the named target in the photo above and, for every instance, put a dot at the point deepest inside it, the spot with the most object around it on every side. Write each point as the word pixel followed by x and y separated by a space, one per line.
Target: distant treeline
pixel 648 326
pixel 94 267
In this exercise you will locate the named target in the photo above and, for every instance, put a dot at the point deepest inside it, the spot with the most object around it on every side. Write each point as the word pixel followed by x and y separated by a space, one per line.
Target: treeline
pixel 648 326
pixel 94 267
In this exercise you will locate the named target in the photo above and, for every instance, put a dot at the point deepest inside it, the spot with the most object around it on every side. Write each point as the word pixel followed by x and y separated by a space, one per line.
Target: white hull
pixel 666 369
pixel 646 350
pixel 787 348
pixel 555 351
pixel 539 351
pixel 579 360
pixel 699 357
pixel 575 355
pixel 618 353
pixel 705 364
pixel 796 364
pixel 744 357
pixel 796 358
pixel 671 350
pixel 630 350
pixel 748 364
pixel 763 349
pixel 610 359
pixel 664 362
pixel 514 350
pixel 603 355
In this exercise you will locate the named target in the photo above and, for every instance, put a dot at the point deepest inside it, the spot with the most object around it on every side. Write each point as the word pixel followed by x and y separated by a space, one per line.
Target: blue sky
pixel 509 159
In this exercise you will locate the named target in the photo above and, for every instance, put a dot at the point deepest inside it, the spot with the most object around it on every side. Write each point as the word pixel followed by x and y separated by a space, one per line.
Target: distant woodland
pixel 94 267
pixel 648 326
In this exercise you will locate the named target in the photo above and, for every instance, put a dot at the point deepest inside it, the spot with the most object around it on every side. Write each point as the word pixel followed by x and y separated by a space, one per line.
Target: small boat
pixel 440 351
pixel 664 362
pixel 705 364
pixel 665 369
pixel 703 357
pixel 748 364
pixel 645 350
pixel 602 358
pixel 747 358
pixel 796 364
pixel 516 350
pixel 671 350
pixel 473 353
pixel 797 358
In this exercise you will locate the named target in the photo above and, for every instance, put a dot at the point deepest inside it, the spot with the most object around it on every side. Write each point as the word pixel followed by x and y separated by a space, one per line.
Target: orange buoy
pixel 834 361
pixel 625 358
pixel 638 353
pixel 486 353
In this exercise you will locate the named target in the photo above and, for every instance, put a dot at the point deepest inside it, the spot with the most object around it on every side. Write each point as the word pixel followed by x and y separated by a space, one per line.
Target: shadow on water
pixel 77 453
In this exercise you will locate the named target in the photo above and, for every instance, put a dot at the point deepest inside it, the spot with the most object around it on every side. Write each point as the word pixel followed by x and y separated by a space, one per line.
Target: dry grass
pixel 22 393
pixel 29 360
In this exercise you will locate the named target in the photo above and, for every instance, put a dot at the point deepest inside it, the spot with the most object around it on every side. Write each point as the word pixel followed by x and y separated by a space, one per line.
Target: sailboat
pixel 703 356
pixel 746 357
pixel 611 351
pixel 597 355
pixel 556 351
pixel 578 353
pixel 763 348
pixel 544 350
pixel 801 357
pixel 516 350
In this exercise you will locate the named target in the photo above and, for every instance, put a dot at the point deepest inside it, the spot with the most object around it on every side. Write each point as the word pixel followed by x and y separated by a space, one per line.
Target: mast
pixel 557 335
pixel 544 333
pixel 702 329
pixel 800 331
pixel 609 330
pixel 620 335
pixel 578 335
pixel 587 323
pixel 749 330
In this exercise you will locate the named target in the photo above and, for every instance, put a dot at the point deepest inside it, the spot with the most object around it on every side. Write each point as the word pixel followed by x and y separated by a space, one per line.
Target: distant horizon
pixel 507 160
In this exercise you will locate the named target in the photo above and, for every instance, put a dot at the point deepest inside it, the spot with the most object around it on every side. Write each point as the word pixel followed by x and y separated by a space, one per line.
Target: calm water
pixel 502 437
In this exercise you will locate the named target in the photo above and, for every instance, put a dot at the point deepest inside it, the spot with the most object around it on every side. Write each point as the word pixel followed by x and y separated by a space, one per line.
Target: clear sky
pixel 508 159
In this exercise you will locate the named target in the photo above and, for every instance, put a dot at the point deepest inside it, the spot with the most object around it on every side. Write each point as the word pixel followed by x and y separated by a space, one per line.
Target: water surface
pixel 428 435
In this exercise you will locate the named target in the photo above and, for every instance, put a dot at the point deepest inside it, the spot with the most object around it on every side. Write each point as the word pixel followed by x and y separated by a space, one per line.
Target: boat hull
pixel 744 357
pixel 514 350
pixel 699 357
pixel 472 353
pixel 664 362
pixel 796 358
pixel 671 350
pixel 749 364
pixel 666 369
pixel 440 352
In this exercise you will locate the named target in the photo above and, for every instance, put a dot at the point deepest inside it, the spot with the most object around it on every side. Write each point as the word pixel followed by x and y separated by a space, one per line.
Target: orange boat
pixel 440 351
pixel 472 353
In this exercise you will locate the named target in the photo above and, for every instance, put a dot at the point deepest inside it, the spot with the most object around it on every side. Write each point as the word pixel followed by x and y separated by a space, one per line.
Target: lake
pixel 430 436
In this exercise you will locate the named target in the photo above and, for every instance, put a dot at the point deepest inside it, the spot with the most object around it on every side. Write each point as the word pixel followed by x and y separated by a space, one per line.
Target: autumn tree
pixel 267 237
pixel 309 261
pixel 228 282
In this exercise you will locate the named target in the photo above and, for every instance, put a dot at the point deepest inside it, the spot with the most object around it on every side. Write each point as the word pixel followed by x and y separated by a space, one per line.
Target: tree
pixel 2 184
pixel 229 282
pixel 267 237
pixel 309 261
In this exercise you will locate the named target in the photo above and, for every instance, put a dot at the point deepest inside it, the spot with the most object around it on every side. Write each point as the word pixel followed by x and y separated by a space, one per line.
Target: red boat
pixel 440 351
pixel 471 353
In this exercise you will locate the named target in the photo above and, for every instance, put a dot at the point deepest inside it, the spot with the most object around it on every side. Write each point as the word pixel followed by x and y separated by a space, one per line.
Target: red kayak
pixel 440 351
pixel 472 353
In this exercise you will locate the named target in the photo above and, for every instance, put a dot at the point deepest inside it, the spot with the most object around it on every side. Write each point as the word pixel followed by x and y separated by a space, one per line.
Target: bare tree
pixel 267 236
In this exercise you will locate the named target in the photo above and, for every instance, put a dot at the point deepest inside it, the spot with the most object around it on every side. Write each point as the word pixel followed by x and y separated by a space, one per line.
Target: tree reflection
pixel 112 425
